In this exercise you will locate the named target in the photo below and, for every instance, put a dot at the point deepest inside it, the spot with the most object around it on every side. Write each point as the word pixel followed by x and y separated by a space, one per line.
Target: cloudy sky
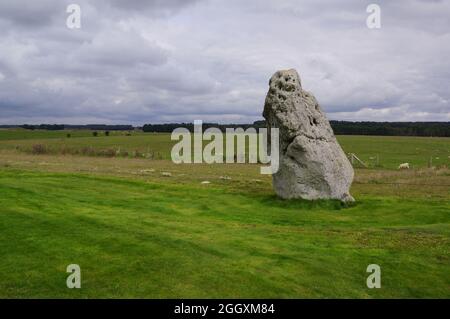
pixel 154 61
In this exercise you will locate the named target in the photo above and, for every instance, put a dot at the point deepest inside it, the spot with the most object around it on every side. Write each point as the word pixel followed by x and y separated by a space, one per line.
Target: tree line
pixel 441 129
pixel 95 127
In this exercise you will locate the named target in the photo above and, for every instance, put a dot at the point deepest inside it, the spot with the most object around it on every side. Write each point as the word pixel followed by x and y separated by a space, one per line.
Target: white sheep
pixel 403 166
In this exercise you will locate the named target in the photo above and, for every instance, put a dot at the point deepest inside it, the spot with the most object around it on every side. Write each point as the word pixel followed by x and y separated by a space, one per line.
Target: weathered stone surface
pixel 312 163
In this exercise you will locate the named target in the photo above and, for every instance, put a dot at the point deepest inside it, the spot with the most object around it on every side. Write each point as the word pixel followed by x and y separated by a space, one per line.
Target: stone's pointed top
pixel 292 72
pixel 286 80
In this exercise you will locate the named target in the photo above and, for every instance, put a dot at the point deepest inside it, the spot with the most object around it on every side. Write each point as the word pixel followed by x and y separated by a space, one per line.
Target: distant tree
pixel 106 133
pixel 68 135
pixel 259 124
pixel 50 127
pixel 95 133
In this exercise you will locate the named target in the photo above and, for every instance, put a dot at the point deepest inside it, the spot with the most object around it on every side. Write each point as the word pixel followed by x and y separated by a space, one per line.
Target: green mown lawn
pixel 135 238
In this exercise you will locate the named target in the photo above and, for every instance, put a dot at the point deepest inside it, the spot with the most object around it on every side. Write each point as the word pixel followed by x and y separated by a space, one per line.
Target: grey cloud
pixel 158 61
pixel 157 5
pixel 30 14
pixel 120 48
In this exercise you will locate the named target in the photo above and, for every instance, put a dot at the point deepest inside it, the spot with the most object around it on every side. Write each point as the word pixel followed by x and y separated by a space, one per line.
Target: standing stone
pixel 312 163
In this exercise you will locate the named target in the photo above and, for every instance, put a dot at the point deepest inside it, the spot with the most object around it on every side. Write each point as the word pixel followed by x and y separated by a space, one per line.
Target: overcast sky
pixel 136 61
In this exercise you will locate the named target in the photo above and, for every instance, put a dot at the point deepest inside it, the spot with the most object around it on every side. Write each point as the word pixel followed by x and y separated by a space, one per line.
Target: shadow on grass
pixel 322 204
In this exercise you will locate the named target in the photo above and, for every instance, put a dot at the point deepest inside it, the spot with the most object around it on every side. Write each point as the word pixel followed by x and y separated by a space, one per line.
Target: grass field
pixel 390 151
pixel 137 233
